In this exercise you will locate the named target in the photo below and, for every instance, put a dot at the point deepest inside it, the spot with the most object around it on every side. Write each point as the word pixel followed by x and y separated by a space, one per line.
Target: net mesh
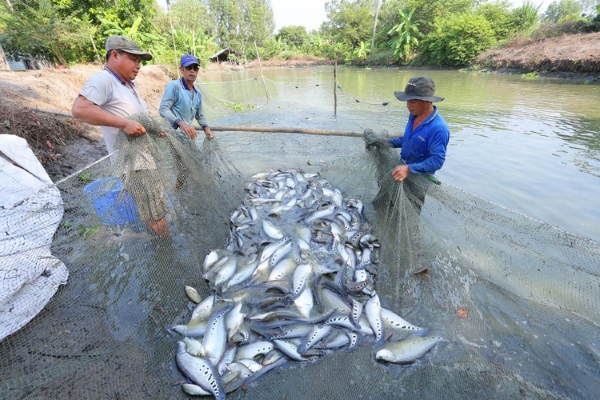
pixel 515 300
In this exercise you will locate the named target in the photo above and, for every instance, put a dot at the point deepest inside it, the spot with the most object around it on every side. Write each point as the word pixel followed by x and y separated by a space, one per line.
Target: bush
pixel 456 41
pixel 381 57
pixel 554 30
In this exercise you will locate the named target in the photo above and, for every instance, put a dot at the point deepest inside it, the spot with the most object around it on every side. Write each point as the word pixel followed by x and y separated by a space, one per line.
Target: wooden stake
pixel 335 89
pixel 261 73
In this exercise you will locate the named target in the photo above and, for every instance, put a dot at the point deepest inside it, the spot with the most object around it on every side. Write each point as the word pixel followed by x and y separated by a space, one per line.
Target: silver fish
pixel 204 308
pixel 192 294
pixel 254 349
pixel 226 271
pixel 304 300
pixel 271 230
pixel 252 365
pixel 289 349
pixel 272 357
pixel 324 212
pixel 194 328
pixel 317 333
pixel 215 339
pixel 268 251
pixel 193 346
pixel 357 309
pixel 200 371
pixel 332 301
pixel 195 390
pixel 373 311
pixel 335 341
pixel 396 322
pixel 244 273
pixel 280 253
pixel 282 269
pixel 234 320
pixel 228 357
pixel 209 260
pixel 407 350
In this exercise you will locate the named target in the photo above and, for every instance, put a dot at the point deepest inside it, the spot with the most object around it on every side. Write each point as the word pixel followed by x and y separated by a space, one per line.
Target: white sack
pixel 30 211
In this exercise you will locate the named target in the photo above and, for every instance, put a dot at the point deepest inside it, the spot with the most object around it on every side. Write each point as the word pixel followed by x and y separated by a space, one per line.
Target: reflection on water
pixel 528 145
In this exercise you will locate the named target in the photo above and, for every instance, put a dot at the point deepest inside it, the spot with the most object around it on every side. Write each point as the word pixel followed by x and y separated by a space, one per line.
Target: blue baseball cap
pixel 188 59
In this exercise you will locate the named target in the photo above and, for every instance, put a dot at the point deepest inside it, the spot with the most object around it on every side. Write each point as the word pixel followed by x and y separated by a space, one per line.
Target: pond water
pixel 532 146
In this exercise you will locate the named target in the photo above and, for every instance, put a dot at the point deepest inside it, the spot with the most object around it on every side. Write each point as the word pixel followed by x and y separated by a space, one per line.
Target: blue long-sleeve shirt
pixel 177 105
pixel 424 148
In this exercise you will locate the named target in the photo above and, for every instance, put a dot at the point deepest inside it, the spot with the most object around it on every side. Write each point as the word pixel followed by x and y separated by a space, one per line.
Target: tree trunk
pixel 3 60
pixel 375 25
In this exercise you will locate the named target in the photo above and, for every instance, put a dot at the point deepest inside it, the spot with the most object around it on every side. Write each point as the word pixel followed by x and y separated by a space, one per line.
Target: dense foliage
pixel 432 32
pixel 457 40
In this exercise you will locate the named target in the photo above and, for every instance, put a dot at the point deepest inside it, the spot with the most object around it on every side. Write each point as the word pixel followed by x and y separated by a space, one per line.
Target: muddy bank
pixel 575 57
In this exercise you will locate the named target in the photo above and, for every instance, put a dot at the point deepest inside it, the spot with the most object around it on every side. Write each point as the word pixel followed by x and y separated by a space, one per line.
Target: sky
pixel 311 13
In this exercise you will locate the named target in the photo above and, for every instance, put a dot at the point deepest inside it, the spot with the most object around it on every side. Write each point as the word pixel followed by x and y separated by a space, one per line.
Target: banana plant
pixel 133 33
pixel 404 36
pixel 361 52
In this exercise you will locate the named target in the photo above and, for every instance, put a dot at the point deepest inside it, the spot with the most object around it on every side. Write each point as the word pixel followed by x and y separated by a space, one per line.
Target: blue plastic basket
pixel 112 201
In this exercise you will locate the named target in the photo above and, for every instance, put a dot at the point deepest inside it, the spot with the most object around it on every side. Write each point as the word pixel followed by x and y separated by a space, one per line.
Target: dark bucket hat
pixel 127 45
pixel 419 88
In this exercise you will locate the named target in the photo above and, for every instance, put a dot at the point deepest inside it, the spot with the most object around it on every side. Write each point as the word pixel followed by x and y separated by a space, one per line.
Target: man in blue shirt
pixel 180 105
pixel 182 102
pixel 424 141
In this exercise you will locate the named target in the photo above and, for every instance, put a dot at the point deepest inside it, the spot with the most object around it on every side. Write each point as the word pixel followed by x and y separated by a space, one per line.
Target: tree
pixel 526 17
pixel 58 38
pixel 143 39
pixel 242 21
pixel 293 35
pixel 499 15
pixel 457 40
pixel 375 23
pixel 350 21
pixel 259 20
pixel 189 18
pixel 3 60
pixel 404 36
pixel 563 9
pixel 430 11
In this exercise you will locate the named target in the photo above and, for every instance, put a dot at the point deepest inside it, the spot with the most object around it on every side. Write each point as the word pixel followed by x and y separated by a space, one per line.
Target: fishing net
pixel 511 304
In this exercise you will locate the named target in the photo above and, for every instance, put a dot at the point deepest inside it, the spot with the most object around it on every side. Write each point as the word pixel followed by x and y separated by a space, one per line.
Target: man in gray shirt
pixel 107 100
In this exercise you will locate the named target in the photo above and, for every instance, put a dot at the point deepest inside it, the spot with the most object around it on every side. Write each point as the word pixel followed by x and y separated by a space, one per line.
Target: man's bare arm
pixel 89 112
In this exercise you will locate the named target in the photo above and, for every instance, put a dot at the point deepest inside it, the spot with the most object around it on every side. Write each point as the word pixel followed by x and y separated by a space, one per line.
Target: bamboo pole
pixel 272 129
pixel 261 73
pixel 96 50
pixel 335 89
pixel 263 129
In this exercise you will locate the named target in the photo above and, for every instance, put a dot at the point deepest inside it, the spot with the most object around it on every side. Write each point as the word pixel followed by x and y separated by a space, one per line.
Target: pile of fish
pixel 296 280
